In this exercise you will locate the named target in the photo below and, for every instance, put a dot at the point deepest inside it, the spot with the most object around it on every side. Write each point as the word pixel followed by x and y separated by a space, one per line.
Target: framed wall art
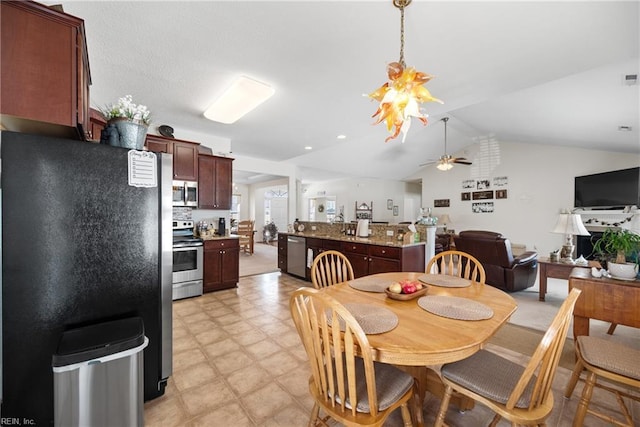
pixel 483 184
pixel 482 207
pixel 500 181
pixel 501 194
pixel 465 196
pixel 395 210
pixel 389 204
pixel 482 195
pixel 468 183
pixel 441 203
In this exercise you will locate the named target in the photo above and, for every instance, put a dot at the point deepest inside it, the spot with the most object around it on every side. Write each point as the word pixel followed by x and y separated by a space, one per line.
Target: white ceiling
pixel 531 72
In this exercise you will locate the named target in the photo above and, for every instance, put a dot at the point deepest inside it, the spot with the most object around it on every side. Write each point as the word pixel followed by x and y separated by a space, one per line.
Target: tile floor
pixel 238 362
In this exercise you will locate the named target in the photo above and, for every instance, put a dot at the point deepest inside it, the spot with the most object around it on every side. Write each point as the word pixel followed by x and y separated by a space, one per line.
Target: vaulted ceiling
pixel 531 72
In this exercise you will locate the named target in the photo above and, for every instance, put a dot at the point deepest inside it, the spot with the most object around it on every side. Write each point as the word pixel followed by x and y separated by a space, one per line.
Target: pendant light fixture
pixel 400 97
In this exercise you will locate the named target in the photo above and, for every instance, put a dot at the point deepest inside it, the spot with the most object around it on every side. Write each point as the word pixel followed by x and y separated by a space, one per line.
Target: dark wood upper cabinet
pixel 185 161
pixel 159 144
pixel 214 182
pixel 97 123
pixel 185 155
pixel 45 75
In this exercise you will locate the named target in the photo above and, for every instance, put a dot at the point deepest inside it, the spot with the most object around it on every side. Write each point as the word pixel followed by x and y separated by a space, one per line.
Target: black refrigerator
pixel 86 238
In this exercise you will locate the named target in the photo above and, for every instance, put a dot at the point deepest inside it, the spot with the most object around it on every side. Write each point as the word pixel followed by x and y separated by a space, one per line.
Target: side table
pixel 605 299
pixel 556 270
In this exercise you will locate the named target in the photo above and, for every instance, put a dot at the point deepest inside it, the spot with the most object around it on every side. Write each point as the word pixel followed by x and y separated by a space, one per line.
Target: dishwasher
pixel 296 256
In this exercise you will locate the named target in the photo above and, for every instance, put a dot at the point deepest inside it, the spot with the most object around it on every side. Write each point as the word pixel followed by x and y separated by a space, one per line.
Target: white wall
pixel 245 200
pixel 540 184
pixel 257 192
pixel 349 191
pixel 288 171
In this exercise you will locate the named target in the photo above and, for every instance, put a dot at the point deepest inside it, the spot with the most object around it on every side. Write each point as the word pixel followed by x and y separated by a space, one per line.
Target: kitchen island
pixel 367 255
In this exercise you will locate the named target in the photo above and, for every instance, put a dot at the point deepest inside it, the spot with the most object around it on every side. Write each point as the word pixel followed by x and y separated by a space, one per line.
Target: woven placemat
pixel 455 307
pixel 445 280
pixel 370 284
pixel 372 319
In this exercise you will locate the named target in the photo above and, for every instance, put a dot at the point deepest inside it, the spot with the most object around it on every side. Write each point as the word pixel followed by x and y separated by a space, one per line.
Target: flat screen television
pixel 614 189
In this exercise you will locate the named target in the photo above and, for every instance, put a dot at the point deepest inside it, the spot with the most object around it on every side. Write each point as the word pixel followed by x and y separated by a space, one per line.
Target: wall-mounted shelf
pixel 364 211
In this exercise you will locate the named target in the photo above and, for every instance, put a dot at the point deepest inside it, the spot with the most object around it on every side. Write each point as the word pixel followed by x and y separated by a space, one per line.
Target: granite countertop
pixel 370 241
pixel 216 237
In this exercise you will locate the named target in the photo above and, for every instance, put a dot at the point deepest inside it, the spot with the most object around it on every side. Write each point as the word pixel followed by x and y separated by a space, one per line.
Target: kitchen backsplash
pixel 378 231
pixel 182 213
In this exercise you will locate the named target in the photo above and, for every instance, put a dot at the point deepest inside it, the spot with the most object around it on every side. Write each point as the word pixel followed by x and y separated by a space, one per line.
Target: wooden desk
pixel 557 270
pixel 422 338
pixel 610 300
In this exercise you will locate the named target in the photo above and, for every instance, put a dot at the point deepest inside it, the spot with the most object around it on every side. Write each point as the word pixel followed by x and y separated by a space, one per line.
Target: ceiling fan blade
pixel 428 162
pixel 462 161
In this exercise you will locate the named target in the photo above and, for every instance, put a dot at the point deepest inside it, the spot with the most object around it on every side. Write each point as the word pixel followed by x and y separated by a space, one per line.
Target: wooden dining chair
pixel 345 383
pixel 245 234
pixel 611 361
pixel 521 394
pixel 329 268
pixel 457 263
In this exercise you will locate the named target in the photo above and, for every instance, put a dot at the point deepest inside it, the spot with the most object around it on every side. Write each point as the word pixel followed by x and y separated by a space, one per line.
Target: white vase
pixel 628 270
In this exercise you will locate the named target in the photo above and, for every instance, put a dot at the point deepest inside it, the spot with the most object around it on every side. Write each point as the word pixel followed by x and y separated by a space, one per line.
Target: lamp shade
pixel 444 219
pixel 570 224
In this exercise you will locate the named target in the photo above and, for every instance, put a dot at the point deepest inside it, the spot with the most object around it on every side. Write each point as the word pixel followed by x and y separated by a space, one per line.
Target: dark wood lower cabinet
pixel 221 264
pixel 318 245
pixel 365 258
pixel 369 259
pixel 282 252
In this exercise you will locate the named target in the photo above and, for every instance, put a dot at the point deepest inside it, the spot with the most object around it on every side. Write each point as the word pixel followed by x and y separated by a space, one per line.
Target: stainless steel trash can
pixel 98 375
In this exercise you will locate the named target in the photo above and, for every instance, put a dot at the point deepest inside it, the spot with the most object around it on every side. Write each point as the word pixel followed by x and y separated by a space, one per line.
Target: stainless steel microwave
pixel 185 193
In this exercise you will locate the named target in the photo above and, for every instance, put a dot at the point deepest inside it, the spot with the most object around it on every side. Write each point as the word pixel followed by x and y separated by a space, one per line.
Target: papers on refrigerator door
pixel 143 169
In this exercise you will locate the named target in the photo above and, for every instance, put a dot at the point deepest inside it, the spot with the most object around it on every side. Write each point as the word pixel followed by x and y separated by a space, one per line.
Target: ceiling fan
pixel 446 161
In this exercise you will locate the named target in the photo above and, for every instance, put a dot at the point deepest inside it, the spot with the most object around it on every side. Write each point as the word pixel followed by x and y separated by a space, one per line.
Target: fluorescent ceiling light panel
pixel 242 96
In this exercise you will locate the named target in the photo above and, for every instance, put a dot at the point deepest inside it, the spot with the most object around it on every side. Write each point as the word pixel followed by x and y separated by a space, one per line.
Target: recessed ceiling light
pixel 242 96
pixel 308 147
pixel 341 136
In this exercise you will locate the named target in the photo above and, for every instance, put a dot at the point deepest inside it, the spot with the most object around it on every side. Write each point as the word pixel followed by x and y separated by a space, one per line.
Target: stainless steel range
pixel 187 261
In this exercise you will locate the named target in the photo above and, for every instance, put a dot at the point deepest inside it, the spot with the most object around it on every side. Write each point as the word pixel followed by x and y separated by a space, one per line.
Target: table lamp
pixel 569 224
pixel 444 219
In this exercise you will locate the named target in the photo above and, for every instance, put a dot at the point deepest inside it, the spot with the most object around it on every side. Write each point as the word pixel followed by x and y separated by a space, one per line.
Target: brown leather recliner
pixel 493 250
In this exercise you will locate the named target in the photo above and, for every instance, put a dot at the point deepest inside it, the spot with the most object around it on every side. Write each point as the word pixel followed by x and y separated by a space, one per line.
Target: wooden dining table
pixel 421 338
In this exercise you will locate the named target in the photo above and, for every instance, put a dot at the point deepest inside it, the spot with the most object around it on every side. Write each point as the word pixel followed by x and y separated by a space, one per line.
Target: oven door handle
pixel 186 246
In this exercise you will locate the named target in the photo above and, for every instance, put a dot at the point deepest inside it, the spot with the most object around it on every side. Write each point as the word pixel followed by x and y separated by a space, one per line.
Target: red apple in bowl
pixel 409 288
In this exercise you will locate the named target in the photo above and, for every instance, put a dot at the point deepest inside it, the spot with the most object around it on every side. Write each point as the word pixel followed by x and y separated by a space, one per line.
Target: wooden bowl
pixel 406 297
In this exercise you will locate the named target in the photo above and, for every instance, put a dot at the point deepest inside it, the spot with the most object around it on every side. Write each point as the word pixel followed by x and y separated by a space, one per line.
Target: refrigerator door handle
pixel 166 266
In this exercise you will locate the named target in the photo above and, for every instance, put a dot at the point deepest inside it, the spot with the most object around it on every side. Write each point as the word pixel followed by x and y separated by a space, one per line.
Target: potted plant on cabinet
pixel 127 124
pixel 616 246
